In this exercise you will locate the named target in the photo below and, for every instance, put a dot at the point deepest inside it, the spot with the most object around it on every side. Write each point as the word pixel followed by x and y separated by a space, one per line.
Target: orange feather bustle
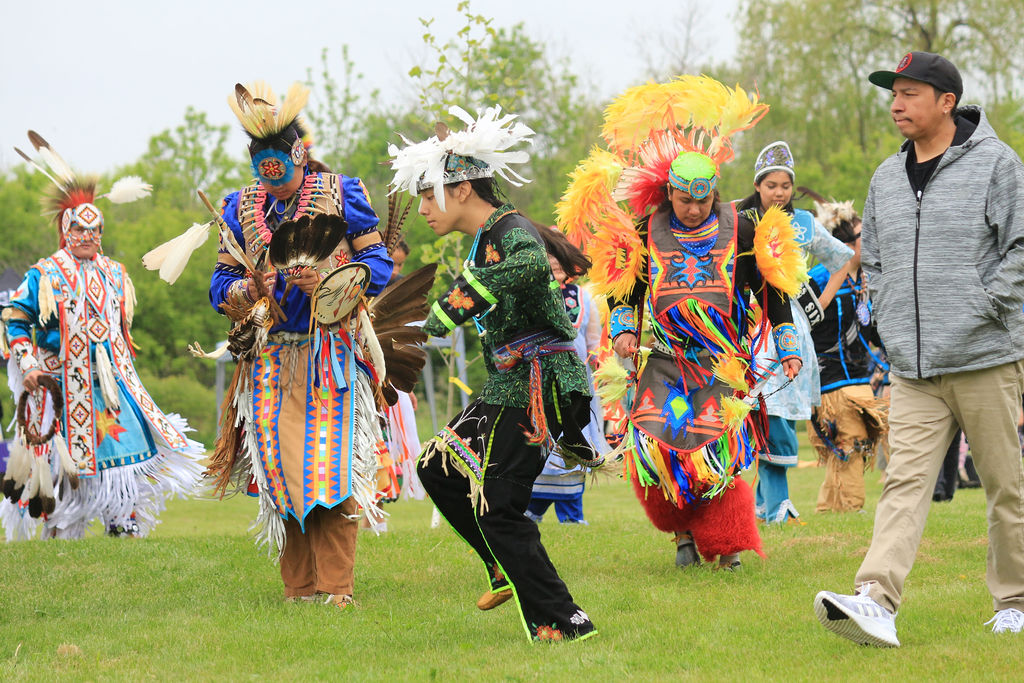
pixel 618 254
pixel 779 257
pixel 588 198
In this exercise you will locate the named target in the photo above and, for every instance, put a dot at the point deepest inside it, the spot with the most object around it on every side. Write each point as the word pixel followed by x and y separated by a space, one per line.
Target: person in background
pixel 788 400
pixel 561 482
pixel 850 422
pixel 110 453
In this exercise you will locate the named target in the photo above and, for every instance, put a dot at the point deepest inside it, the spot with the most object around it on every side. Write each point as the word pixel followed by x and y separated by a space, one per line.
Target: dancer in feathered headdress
pixel 851 421
pixel 300 252
pixel 788 400
pixel 479 469
pixel 83 414
pixel 647 211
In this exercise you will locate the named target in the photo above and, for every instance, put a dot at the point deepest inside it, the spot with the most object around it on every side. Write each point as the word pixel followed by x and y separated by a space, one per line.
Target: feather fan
pixel 402 302
pixel 306 242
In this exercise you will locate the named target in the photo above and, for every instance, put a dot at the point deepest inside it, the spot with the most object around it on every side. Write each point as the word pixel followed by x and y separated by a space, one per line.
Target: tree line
pixel 809 59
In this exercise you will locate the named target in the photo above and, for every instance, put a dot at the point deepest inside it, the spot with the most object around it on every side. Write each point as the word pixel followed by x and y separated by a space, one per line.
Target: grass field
pixel 197 600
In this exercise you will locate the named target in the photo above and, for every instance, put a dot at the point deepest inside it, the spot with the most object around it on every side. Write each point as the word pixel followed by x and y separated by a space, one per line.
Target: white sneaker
pixel 1007 621
pixel 856 617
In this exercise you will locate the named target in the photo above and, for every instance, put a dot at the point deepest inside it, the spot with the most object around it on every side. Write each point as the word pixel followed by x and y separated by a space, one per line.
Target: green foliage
pixel 484 65
pixel 28 234
pixel 810 60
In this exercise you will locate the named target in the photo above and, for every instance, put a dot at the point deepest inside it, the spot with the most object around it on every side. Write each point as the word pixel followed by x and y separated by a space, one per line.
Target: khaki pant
pixel 322 559
pixel 922 419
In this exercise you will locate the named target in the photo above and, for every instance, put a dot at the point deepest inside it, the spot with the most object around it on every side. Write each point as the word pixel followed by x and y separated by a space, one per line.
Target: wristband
pixel 786 341
pixel 622 320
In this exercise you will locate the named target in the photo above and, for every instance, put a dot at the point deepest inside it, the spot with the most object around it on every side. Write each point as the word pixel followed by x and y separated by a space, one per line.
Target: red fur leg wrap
pixel 664 515
pixel 727 524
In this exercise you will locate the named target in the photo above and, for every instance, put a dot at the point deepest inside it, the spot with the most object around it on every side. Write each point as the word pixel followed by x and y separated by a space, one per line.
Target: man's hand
pixel 32 380
pixel 307 280
pixel 268 279
pixel 626 345
pixel 791 367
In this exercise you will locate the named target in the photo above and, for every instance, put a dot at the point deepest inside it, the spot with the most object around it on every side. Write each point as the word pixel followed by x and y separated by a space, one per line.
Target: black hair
pixel 403 245
pixel 486 188
pixel 715 203
pixel 573 261
pixel 844 231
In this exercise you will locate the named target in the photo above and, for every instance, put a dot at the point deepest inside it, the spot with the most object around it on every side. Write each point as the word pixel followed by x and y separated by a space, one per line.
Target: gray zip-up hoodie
pixel 946 269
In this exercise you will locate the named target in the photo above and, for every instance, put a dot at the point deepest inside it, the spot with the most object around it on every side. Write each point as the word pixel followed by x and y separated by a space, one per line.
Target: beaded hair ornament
pixel 776 156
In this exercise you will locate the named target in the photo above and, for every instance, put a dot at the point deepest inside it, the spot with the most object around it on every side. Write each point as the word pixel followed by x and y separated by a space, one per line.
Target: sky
pixel 98 79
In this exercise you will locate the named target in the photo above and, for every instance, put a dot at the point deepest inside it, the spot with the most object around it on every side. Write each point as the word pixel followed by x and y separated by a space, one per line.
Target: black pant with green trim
pixel 505 539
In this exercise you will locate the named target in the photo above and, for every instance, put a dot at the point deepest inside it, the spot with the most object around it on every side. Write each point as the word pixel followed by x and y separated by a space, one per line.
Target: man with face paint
pixel 115 454
pixel 312 437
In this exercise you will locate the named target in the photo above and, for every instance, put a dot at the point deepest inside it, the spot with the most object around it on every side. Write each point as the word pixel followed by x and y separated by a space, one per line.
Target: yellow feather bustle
pixel 712 109
pixel 645 128
pixel 779 257
pixel 732 370
pixel 588 198
pixel 734 411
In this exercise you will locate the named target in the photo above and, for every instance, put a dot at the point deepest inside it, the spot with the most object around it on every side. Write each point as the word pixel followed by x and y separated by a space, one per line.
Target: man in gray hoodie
pixel 943 251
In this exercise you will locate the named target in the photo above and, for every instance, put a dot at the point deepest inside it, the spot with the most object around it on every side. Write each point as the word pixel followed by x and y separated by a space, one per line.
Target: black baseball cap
pixel 927 67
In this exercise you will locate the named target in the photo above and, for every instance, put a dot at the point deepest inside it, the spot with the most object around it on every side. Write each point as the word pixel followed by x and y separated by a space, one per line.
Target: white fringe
pixel 47 304
pixel 129 300
pixel 268 526
pixel 364 450
pixel 105 375
pixel 115 494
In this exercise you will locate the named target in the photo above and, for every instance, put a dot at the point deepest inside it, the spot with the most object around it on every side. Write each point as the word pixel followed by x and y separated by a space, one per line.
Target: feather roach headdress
pixel 646 129
pixel 834 214
pixel 479 151
pixel 279 138
pixel 838 218
pixel 71 200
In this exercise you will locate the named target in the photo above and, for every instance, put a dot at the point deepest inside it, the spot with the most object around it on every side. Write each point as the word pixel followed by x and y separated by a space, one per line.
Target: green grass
pixel 197 600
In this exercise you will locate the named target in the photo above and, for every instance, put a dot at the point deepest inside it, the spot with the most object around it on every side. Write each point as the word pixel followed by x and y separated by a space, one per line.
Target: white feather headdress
pixel 71 189
pixel 479 151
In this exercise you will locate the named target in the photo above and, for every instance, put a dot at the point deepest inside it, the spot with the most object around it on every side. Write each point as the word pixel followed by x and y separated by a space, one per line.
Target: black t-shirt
pixel 920 173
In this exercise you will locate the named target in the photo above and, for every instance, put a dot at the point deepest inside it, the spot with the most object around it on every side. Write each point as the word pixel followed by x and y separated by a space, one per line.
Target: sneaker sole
pixel 847 628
